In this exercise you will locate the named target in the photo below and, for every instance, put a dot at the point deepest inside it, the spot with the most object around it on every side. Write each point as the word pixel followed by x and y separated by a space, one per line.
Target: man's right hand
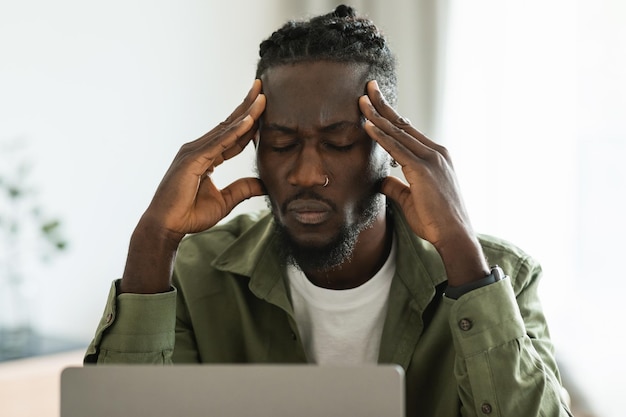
pixel 187 200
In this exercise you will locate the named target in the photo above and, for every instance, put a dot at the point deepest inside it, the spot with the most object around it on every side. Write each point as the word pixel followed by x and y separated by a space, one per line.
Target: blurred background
pixel 528 96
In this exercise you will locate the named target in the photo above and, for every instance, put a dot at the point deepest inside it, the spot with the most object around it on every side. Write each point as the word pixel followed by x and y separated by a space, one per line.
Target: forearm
pixel 150 260
pixel 463 259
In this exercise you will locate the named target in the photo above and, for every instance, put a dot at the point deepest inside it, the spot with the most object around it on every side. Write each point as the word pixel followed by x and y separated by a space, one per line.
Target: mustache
pixel 307 195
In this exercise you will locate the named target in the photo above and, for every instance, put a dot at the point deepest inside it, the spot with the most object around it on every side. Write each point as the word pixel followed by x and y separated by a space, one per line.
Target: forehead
pixel 310 94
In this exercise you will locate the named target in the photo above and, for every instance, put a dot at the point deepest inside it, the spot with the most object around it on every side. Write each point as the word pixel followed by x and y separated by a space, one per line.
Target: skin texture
pixel 187 201
pixel 431 201
pixel 318 119
pixel 312 129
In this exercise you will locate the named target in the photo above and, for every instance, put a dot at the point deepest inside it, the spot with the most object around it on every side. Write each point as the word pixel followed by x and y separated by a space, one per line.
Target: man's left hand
pixel 431 201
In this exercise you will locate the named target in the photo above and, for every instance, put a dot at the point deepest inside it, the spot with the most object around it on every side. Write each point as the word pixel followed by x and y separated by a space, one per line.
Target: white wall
pixel 104 93
pixel 535 117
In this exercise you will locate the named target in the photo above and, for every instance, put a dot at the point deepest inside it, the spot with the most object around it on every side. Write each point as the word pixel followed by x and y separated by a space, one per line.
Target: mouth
pixel 309 212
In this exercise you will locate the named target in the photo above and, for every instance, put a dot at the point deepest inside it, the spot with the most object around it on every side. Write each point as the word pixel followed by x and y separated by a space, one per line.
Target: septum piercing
pixel 326 182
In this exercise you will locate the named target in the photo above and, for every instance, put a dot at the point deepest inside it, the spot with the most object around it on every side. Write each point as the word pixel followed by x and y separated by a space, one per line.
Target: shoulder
pixel 219 237
pixel 195 269
pixel 198 251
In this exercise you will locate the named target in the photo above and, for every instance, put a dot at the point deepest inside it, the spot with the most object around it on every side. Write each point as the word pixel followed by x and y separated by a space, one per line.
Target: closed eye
pixel 340 148
pixel 284 148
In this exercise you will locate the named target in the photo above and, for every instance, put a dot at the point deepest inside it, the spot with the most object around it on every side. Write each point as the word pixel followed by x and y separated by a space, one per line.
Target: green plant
pixel 27 234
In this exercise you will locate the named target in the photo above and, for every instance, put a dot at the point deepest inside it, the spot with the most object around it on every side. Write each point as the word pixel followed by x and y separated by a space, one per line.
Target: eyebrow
pixel 344 124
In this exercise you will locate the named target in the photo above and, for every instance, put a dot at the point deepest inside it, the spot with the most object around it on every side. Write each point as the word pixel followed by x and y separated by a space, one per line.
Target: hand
pixel 187 200
pixel 431 201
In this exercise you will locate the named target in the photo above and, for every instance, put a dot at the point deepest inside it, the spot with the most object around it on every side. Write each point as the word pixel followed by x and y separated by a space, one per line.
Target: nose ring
pixel 326 182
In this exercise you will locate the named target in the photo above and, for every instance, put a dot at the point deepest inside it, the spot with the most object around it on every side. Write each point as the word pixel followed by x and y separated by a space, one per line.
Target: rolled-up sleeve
pixel 135 328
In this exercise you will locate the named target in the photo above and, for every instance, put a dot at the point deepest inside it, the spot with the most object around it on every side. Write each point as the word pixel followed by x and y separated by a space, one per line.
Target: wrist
pixel 150 260
pixel 150 230
pixel 496 274
pixel 464 260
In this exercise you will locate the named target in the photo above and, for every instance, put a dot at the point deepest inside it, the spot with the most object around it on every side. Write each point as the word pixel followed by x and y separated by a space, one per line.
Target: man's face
pixel 312 128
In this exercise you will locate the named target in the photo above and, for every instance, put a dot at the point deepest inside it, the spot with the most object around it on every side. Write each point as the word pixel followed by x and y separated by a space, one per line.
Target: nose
pixel 308 169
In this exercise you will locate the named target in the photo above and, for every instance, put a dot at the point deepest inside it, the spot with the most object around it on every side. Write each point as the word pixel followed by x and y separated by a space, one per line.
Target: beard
pixel 336 252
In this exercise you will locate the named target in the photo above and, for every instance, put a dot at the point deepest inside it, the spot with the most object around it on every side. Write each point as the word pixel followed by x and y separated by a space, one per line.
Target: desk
pixel 30 387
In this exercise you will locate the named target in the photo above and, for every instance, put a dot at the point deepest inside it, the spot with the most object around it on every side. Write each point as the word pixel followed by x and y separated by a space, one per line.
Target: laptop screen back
pixel 232 390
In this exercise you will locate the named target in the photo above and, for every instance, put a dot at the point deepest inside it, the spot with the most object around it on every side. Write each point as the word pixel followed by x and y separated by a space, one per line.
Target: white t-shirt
pixel 342 327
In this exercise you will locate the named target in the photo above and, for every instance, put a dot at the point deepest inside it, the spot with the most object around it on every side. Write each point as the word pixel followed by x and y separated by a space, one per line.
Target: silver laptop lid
pixel 232 390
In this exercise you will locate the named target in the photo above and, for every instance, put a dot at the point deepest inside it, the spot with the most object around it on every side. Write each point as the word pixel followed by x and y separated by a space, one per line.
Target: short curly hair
pixel 339 36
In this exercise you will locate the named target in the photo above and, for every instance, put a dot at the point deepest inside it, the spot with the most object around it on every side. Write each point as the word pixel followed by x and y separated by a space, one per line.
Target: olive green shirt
pixel 487 353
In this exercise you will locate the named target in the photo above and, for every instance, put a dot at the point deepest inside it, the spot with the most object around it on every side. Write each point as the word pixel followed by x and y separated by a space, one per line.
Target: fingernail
pixel 404 120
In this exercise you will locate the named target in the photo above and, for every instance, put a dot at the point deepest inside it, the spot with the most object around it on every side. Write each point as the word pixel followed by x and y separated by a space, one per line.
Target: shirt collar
pixel 255 254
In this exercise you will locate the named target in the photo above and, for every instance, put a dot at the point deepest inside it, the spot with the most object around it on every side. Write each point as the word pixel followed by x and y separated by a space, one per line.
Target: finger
pixel 242 189
pixel 231 148
pixel 242 108
pixel 240 144
pixel 239 112
pixel 391 137
pixel 232 195
pixel 202 159
pixel 398 151
pixel 382 106
pixel 396 189
pixel 235 149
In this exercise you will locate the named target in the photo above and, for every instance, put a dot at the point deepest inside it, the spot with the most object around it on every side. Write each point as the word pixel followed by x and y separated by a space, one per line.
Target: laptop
pixel 232 390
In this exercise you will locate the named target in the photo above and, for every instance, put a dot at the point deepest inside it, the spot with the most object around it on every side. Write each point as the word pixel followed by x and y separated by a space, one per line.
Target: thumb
pixel 240 190
pixel 396 189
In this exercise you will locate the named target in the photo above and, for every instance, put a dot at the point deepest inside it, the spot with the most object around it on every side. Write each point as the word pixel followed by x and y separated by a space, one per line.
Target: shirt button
pixel 486 408
pixel 465 324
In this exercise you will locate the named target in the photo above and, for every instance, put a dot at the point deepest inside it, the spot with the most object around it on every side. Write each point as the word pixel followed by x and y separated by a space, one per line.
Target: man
pixel 352 265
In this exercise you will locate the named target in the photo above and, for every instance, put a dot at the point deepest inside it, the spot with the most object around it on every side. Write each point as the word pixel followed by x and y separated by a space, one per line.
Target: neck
pixel 370 253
